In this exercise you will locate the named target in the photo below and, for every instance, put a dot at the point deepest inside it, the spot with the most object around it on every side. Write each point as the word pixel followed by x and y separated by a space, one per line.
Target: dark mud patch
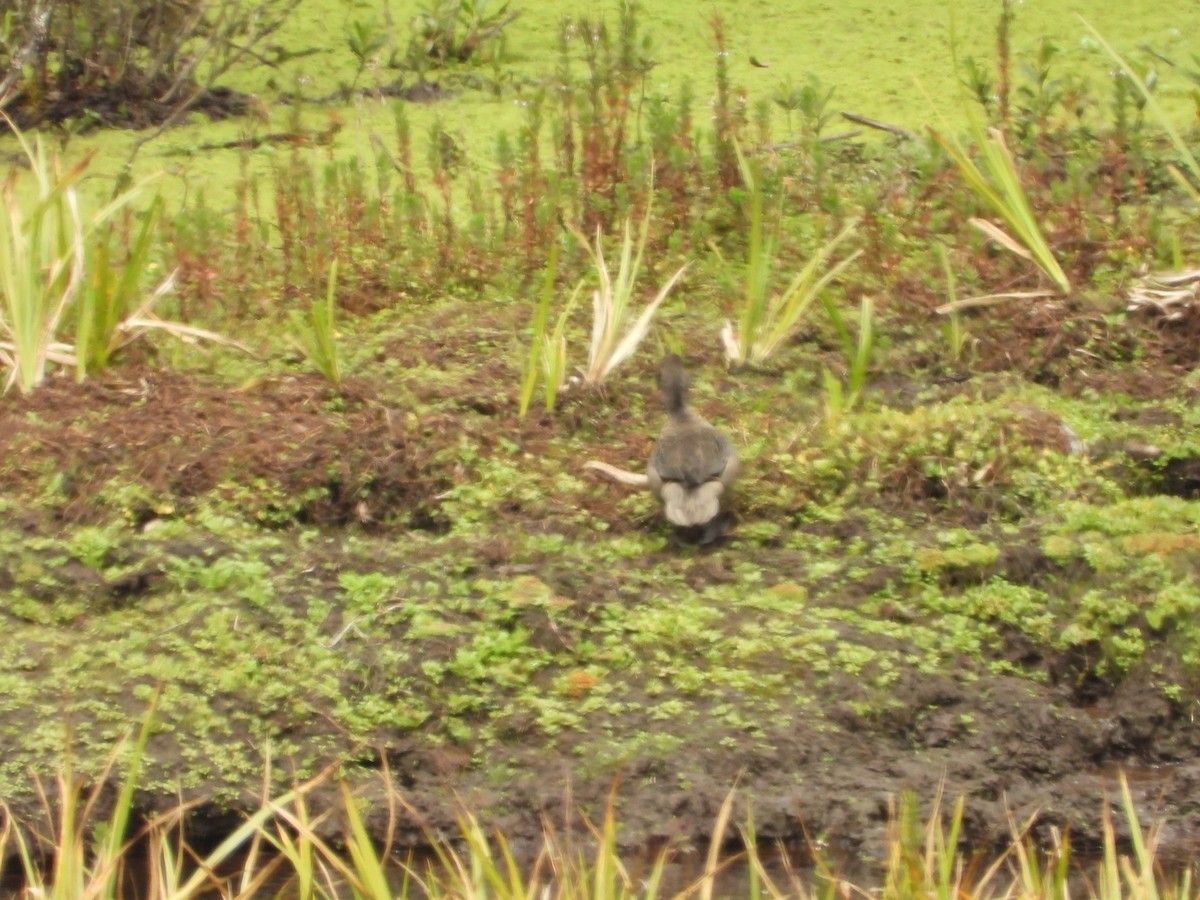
pixel 135 108
pixel 282 450
pixel 1005 746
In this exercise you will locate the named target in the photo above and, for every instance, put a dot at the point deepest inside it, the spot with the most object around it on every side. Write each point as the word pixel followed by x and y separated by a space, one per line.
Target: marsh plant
pixel 317 335
pixel 44 270
pixel 841 398
pixel 112 291
pixel 954 329
pixel 1182 147
pixel 284 847
pixel 616 334
pixel 365 38
pixel 995 179
pixel 767 319
pixel 153 59
pixel 445 31
pixel 547 359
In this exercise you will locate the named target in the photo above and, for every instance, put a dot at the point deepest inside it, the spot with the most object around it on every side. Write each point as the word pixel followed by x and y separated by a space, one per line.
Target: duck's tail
pixel 621 476
pixel 673 380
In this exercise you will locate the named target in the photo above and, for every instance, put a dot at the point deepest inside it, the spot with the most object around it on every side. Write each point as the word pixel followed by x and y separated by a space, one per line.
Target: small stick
pixel 880 126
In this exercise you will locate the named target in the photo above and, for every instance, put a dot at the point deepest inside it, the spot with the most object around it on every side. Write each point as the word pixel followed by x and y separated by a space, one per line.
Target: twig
pixel 880 126
pixel 239 51
pixel 990 300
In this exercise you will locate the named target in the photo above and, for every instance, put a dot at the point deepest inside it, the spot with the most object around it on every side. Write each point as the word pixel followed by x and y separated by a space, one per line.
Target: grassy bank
pixel 289 848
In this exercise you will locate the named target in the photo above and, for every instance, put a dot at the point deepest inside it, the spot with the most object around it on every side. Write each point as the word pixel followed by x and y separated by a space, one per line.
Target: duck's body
pixel 693 465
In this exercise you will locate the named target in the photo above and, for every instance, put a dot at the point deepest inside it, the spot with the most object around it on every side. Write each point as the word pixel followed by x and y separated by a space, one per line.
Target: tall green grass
pixel 1182 147
pixel 767 319
pixel 60 267
pixel 547 360
pixel 996 181
pixel 286 848
pixel 41 265
pixel 44 268
pixel 317 336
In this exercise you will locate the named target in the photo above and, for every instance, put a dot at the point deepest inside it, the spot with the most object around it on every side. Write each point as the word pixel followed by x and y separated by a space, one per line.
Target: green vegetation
pixel 43 269
pixel 996 181
pixel 614 337
pixel 317 337
pixel 58 272
pixel 766 321
pixel 282 848
pixel 388 563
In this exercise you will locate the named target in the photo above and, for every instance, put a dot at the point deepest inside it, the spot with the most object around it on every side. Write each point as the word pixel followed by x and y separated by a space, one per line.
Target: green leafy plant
pixel 364 39
pixel 110 291
pixel 537 339
pixel 547 359
pixel 767 320
pixel 48 277
pixel 281 843
pixel 811 100
pixel 858 348
pixel 86 866
pixel 153 59
pixel 43 268
pixel 956 334
pixel 1190 161
pixel 456 30
pixel 317 337
pixel 614 338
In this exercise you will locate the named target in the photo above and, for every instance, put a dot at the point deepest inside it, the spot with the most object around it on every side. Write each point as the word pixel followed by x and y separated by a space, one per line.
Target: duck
pixel 692 467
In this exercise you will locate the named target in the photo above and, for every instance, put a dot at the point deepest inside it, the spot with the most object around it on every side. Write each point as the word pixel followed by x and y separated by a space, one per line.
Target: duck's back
pixel 691 455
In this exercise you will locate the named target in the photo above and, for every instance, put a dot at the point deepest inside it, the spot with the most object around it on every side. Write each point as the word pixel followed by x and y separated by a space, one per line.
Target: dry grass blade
pixel 991 300
pixel 244 833
pixel 713 864
pixel 621 476
pixel 641 325
pixel 924 858
pixel 189 333
pixel 1001 237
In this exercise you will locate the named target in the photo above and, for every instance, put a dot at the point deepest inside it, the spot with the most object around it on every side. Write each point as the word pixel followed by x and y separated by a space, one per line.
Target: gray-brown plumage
pixel 693 465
